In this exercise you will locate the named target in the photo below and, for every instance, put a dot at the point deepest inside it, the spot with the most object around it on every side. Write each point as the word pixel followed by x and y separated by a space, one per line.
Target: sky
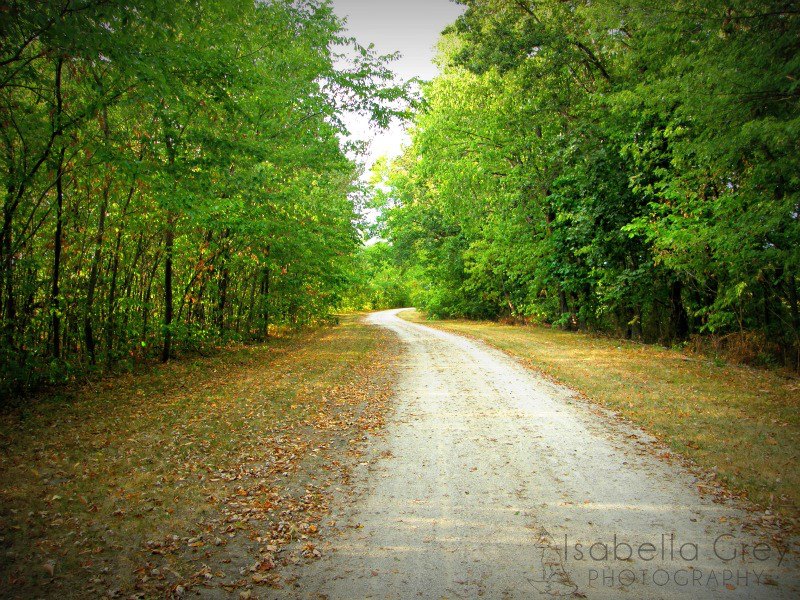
pixel 411 27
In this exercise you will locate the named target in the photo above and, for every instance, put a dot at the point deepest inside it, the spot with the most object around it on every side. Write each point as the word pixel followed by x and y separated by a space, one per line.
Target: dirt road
pixel 493 482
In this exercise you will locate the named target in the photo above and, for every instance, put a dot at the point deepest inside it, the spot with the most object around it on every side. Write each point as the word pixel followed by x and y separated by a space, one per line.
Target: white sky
pixel 411 27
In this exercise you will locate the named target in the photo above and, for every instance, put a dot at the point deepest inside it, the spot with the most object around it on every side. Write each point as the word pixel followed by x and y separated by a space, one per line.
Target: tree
pixel 625 167
pixel 173 175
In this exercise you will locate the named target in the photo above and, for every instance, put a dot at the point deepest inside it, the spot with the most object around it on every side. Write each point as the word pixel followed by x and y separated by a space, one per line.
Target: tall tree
pixel 618 166
pixel 157 158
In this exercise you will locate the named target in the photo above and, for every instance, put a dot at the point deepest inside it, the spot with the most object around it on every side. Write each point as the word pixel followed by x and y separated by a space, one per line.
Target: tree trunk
pixel 573 313
pixel 679 320
pixel 224 278
pixel 169 243
pixel 264 298
pixel 766 305
pixel 55 304
pixel 585 302
pixel 10 305
pixel 55 301
pixel 112 297
pixel 793 308
pixel 222 285
pixel 146 295
pixel 94 272
pixel 795 313
pixel 251 308
pixel 98 250
pixel 563 306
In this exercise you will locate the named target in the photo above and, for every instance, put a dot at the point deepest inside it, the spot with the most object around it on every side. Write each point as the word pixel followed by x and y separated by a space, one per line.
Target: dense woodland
pixel 628 166
pixel 174 174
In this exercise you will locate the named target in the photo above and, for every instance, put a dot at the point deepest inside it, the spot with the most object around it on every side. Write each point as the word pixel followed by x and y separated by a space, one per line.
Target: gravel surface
pixel 492 482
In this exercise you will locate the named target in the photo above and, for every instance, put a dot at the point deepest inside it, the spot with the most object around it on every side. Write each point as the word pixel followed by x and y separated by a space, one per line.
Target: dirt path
pixel 487 472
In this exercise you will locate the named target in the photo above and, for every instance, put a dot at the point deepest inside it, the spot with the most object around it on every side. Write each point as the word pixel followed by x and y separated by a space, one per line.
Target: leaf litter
pixel 206 476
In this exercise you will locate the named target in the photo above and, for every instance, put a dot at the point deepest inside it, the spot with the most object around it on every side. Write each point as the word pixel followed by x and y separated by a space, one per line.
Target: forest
pixel 178 175
pixel 629 167
pixel 174 176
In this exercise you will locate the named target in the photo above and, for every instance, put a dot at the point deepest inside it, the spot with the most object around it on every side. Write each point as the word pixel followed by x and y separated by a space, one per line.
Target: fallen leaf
pixel 50 567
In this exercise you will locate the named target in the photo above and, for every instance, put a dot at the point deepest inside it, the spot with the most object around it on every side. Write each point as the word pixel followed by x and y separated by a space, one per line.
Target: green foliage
pixel 173 175
pixel 377 281
pixel 629 167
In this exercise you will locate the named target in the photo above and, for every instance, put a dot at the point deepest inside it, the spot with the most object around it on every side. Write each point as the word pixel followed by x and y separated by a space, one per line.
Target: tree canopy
pixel 174 174
pixel 629 167
pixel 178 174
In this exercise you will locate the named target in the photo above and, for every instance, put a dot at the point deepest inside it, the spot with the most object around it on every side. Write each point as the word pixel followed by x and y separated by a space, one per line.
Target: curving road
pixel 487 472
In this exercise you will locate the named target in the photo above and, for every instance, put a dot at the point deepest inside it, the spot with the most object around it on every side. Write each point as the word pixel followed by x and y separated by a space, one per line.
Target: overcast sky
pixel 411 27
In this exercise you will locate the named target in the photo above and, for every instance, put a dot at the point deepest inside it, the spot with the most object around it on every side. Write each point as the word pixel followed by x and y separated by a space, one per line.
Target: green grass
pixel 89 477
pixel 743 423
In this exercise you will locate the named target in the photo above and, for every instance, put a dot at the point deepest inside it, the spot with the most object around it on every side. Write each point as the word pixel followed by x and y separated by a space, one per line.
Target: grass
pixel 741 423
pixel 142 484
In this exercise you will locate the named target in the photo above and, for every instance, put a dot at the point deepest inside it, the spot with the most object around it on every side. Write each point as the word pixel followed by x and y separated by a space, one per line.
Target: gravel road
pixel 492 482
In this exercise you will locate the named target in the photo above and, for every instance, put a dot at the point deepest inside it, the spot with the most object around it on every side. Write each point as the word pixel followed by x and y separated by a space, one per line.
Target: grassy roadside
pixel 196 474
pixel 741 424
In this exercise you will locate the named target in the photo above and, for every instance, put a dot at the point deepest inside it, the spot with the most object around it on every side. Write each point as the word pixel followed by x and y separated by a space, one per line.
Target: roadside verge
pixel 201 474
